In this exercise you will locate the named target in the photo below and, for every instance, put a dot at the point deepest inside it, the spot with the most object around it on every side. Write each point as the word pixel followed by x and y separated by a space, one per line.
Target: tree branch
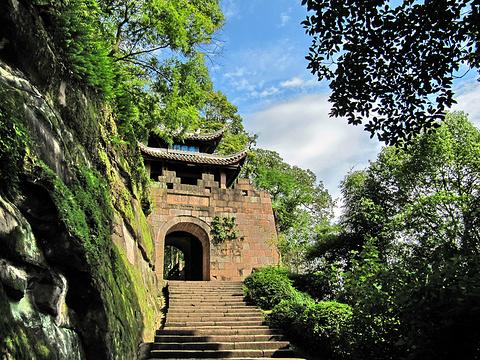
pixel 132 54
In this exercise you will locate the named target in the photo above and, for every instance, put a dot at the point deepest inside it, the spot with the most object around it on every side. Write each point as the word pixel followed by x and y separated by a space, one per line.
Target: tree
pixel 391 66
pixel 301 204
pixel 144 57
pixel 414 281
pixel 292 189
pixel 137 29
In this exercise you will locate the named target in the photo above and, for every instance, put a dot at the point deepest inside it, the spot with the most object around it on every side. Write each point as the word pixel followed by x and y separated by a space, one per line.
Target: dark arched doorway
pixel 183 257
pixel 187 238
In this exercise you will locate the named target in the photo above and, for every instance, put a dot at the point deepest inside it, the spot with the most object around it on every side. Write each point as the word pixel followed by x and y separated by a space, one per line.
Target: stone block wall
pixel 191 208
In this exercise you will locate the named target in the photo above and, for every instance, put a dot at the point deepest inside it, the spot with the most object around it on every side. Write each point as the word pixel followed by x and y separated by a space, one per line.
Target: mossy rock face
pixel 59 268
pixel 32 300
pixel 16 237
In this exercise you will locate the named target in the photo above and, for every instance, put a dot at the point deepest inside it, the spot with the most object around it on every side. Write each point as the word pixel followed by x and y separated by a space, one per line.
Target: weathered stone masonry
pixel 191 208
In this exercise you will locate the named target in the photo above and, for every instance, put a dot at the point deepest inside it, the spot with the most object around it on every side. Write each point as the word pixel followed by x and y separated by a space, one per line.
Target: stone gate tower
pixel 192 186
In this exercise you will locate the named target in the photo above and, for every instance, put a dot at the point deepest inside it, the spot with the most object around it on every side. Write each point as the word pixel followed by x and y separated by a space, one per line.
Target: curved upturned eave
pixel 193 157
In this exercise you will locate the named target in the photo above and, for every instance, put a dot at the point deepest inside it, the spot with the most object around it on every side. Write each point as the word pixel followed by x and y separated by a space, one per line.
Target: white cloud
pixel 269 92
pixel 469 101
pixel 304 135
pixel 272 59
pixel 284 19
pixel 297 82
pixel 230 9
pixel 294 82
pixel 238 72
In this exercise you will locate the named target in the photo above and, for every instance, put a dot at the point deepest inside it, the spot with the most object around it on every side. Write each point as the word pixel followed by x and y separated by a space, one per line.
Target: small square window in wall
pixel 208 189
pixel 244 192
pixel 170 186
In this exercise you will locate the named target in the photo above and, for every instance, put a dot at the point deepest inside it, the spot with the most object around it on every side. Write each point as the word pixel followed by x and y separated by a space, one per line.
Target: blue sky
pixel 260 66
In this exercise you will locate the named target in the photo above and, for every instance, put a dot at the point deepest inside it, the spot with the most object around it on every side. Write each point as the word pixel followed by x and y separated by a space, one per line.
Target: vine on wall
pixel 223 229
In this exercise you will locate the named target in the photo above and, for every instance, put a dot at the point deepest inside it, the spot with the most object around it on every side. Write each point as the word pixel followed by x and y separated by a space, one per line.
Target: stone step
pixel 213 309
pixel 208 298
pixel 216 338
pixel 204 290
pixel 212 300
pixel 218 354
pixel 203 283
pixel 216 287
pixel 231 301
pixel 218 330
pixel 213 318
pixel 210 345
pixel 213 286
pixel 206 303
pixel 205 293
pixel 215 323
pixel 225 314
pixel 210 286
pixel 232 286
pixel 252 358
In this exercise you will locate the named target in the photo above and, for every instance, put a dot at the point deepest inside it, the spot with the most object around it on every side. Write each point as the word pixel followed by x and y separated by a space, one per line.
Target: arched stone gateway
pixel 192 186
pixel 190 235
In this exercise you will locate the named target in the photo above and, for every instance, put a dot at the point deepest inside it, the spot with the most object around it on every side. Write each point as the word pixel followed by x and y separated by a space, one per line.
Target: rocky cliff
pixel 76 254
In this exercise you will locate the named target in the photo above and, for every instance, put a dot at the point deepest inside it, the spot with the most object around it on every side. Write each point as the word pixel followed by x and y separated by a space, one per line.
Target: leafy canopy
pixel 390 64
pixel 406 255
pixel 293 190
pixel 300 203
pixel 145 57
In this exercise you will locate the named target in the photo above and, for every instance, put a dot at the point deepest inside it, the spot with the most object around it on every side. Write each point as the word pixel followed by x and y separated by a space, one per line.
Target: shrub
pixel 324 326
pixel 268 286
pixel 327 326
pixel 286 312
pixel 320 285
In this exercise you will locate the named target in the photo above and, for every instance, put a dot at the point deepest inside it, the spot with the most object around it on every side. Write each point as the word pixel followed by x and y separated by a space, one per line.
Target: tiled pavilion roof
pixel 193 157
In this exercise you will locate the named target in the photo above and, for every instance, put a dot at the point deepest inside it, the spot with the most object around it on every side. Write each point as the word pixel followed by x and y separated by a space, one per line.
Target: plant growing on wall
pixel 223 229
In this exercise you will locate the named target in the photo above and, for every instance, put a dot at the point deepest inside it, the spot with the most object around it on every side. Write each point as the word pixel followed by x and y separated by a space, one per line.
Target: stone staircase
pixel 210 320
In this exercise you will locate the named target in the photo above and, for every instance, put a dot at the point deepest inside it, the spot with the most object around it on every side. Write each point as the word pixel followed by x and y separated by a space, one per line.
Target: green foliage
pixel 319 285
pixel 326 327
pixel 370 289
pixel 292 189
pixel 173 263
pixel 78 30
pixel 13 147
pixel 218 112
pixel 407 252
pixel 268 286
pixel 183 90
pixel 286 313
pixel 143 56
pixel 323 326
pixel 395 61
pixel 301 204
pixel 223 229
pixel 138 28
pixel 84 207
